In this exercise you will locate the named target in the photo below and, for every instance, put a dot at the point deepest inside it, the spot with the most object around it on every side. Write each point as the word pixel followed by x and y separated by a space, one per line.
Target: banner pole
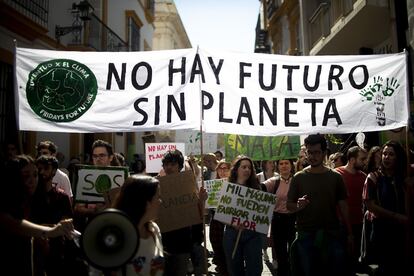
pixel 16 98
pixel 407 151
pixel 236 244
pixel 407 148
pixel 202 171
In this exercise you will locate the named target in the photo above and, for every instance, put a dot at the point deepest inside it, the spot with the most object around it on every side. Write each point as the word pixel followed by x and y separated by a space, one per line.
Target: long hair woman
pixel 384 196
pixel 268 170
pixel 283 221
pixel 20 181
pixel 217 227
pixel 140 199
pixel 247 259
pixel 373 159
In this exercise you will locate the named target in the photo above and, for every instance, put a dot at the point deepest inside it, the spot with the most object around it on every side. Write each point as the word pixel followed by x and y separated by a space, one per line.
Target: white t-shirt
pixel 149 259
pixel 262 178
pixel 61 180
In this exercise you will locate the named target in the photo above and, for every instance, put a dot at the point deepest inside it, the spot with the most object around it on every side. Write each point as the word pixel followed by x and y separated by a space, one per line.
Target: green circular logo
pixel 61 90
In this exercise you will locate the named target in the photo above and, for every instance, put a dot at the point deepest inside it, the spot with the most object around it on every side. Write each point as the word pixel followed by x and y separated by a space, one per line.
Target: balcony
pixel 343 26
pixel 272 6
pixel 28 18
pixel 36 10
pixel 102 38
pixel 320 25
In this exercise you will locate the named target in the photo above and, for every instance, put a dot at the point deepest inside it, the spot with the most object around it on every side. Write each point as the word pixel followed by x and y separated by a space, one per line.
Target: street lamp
pixel 84 8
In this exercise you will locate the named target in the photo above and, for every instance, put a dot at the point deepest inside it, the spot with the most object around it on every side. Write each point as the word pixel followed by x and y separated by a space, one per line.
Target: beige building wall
pixel 169 30
pixel 169 34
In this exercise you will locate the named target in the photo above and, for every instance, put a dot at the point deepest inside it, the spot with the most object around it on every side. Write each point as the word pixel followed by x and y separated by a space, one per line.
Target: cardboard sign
pixel 93 182
pixel 179 207
pixel 154 153
pixel 213 188
pixel 240 205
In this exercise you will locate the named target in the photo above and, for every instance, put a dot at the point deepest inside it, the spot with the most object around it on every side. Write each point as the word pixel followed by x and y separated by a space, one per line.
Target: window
pixel 134 25
pixel 134 36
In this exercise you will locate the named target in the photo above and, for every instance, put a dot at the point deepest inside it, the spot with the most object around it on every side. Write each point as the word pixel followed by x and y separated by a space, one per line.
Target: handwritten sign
pixel 240 205
pixel 192 140
pixel 93 182
pixel 154 153
pixel 179 207
pixel 213 188
pixel 261 147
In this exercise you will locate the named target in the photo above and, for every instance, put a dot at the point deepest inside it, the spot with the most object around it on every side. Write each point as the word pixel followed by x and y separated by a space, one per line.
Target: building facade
pixel 95 25
pixel 339 27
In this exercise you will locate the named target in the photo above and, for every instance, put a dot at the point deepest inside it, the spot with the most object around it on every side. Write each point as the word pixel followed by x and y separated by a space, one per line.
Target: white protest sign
pixel 92 182
pixel 237 93
pixel 213 188
pixel 192 140
pixel 240 205
pixel 154 153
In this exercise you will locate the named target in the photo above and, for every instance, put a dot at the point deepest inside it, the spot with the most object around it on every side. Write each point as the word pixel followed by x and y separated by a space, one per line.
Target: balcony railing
pixel 36 10
pixel 272 6
pixel 102 38
pixel 325 16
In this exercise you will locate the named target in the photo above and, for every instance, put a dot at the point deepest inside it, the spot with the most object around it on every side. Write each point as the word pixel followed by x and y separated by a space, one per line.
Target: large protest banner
pixel 240 205
pixel 179 207
pixel 246 94
pixel 93 182
pixel 262 147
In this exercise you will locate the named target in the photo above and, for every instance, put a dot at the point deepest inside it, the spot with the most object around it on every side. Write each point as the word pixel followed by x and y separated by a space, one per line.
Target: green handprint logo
pixel 373 89
pixel 377 92
pixel 378 86
pixel 390 87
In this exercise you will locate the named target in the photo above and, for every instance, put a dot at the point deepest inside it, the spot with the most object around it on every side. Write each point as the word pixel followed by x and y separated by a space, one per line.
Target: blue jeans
pixel 318 253
pixel 248 257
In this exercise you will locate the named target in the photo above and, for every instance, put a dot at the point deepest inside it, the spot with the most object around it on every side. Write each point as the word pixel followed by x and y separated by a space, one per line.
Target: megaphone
pixel 110 240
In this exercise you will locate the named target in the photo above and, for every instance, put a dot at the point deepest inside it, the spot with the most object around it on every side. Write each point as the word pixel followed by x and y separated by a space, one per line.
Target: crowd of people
pixel 335 214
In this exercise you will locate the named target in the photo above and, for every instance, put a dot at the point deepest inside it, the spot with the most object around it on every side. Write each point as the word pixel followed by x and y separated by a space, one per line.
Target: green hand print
pixel 391 86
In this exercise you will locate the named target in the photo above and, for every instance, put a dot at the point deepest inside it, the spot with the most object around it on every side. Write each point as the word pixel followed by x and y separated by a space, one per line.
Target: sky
pixel 220 24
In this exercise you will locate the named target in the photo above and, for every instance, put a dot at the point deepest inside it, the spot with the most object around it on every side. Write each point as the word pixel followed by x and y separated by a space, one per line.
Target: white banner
pixel 248 94
pixel 67 91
